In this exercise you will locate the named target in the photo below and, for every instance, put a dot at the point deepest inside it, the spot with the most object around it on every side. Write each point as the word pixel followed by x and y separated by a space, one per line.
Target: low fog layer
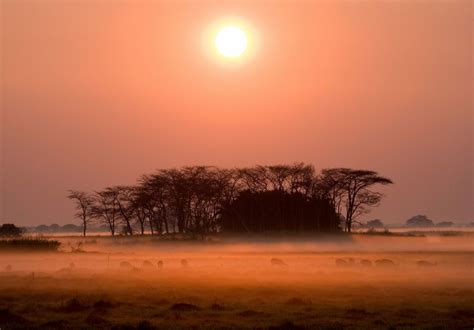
pixel 302 255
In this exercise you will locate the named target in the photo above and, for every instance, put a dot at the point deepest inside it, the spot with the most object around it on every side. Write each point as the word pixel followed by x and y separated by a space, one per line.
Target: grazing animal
pixel 384 263
pixel 341 263
pixel 350 261
pixel 8 268
pixel 424 263
pixel 366 263
pixel 148 264
pixel 125 265
pixel 278 262
pixel 160 264
pixel 184 263
pixel 135 270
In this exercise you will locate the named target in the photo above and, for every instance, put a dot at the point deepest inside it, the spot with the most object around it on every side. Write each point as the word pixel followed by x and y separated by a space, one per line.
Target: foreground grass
pixel 75 303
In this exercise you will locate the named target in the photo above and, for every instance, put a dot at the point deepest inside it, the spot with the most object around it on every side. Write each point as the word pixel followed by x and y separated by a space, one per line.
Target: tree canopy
pixel 199 200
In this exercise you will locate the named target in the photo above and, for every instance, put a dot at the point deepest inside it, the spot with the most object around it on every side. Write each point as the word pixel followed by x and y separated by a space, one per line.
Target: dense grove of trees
pixel 202 199
pixel 279 211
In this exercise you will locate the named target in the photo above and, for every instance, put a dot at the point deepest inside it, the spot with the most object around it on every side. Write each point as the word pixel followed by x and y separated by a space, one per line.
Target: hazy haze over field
pixel 114 281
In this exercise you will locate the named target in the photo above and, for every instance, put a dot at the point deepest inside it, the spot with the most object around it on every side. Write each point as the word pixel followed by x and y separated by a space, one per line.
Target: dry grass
pixel 227 288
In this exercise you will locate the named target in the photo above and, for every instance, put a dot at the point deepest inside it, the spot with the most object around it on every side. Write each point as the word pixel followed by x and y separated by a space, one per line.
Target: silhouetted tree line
pixel 201 200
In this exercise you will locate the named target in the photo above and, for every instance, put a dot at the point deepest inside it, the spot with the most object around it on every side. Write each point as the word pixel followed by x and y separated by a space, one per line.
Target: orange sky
pixel 96 93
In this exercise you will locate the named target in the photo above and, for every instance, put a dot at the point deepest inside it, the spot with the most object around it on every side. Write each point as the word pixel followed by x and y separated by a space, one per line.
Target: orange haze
pixel 96 93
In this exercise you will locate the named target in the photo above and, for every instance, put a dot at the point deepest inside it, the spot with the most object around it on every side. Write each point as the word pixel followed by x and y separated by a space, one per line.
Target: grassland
pixel 233 285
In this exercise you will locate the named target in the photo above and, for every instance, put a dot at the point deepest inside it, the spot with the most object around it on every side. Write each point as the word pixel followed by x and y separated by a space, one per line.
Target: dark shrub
pixel 10 230
pixel 29 244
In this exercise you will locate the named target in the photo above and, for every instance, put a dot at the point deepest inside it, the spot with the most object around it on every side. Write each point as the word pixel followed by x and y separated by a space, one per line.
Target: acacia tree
pixel 208 186
pixel 145 198
pixel 329 185
pixel 154 193
pixel 351 188
pixel 254 179
pixel 84 207
pixel 137 207
pixel 106 208
pixel 179 199
pixel 124 199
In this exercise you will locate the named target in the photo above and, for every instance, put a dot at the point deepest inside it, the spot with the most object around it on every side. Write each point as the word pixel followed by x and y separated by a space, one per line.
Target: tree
pixel 351 188
pixel 376 223
pixel 196 195
pixel 330 186
pixel 123 196
pixel 153 196
pixel 419 221
pixel 105 208
pixel 138 208
pixel 84 207
pixel 10 230
pixel 256 212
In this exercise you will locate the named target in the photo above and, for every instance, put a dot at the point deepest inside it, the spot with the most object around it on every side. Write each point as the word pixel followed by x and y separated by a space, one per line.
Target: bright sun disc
pixel 231 41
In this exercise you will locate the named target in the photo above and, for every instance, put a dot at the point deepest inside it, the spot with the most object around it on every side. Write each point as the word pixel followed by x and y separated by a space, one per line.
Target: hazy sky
pixel 96 93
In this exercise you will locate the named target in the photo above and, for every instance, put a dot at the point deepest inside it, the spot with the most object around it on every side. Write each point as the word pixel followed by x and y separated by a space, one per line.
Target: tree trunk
pixel 151 226
pixel 165 219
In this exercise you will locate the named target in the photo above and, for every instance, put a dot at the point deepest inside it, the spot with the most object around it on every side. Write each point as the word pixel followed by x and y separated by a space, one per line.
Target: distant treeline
pixel 201 200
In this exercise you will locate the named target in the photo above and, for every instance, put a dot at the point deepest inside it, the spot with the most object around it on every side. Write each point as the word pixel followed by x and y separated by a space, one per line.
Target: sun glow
pixel 231 41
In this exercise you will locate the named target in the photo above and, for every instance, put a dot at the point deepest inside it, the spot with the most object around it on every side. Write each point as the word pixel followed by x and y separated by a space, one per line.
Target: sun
pixel 231 41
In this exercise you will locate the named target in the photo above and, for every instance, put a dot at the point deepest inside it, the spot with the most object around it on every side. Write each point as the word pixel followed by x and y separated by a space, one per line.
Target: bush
pixel 29 244
pixel 376 223
pixel 387 232
pixel 373 231
pixel 10 230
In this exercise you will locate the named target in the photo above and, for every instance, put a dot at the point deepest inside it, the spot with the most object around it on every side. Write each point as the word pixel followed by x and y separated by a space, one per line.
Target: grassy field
pixel 117 284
